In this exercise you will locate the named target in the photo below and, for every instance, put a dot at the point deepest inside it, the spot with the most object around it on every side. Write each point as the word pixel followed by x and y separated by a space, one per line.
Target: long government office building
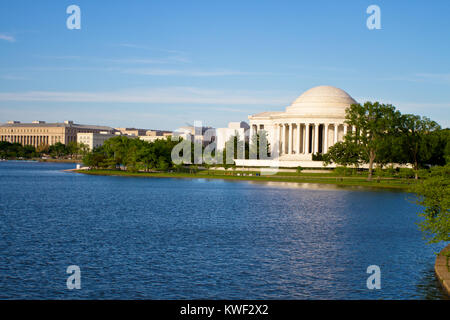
pixel 42 133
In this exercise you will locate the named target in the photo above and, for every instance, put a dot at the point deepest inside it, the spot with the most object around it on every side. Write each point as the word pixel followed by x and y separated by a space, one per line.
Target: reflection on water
pixel 319 186
pixel 163 238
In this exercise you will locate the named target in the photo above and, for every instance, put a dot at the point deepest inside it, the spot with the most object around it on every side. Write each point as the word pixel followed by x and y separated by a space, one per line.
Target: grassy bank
pixel 322 178
pixel 44 160
pixel 59 160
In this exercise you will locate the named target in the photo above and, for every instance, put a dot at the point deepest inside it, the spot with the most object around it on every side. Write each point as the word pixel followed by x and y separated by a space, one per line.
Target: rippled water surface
pixel 194 238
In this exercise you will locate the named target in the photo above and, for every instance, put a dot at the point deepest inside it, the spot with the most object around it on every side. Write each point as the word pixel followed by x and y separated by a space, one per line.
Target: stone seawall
pixel 442 268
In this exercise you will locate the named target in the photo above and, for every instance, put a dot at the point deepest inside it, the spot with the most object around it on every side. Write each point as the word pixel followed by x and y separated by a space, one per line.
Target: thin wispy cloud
pixel 127 60
pixel 166 60
pixel 7 37
pixel 309 68
pixel 61 57
pixel 171 95
pixel 138 46
pixel 175 55
pixel 233 110
pixel 420 77
pixel 148 71
pixel 189 73
pixel 444 77
pixel 12 77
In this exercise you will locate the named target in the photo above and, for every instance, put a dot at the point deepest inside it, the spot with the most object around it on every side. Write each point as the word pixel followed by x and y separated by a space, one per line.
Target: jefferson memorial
pixel 310 125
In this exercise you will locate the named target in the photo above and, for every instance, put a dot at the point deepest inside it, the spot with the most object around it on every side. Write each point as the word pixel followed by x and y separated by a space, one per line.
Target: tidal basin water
pixel 140 238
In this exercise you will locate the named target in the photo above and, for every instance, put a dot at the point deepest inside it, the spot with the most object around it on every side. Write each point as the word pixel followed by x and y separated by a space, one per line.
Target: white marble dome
pixel 322 101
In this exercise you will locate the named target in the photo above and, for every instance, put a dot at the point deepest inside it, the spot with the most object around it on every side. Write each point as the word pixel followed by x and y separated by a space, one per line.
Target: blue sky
pixel 162 64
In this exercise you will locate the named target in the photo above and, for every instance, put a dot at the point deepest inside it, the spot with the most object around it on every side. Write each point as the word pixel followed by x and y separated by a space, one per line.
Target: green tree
pixel 147 156
pixel 83 149
pixel 13 150
pixel 116 150
pixel 135 155
pixel 417 140
pixel 235 148
pixel 345 153
pixel 43 149
pixel 58 150
pixel 72 149
pixel 433 193
pixel 29 151
pixel 163 165
pixel 441 147
pixel 95 159
pixel 374 122
pixel 259 145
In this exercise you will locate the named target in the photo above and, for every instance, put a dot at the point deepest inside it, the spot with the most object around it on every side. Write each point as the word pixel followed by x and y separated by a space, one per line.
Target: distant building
pixel 234 128
pixel 94 139
pixel 153 135
pixel 158 133
pixel 42 133
pixel 204 135
pixel 151 138
pixel 132 131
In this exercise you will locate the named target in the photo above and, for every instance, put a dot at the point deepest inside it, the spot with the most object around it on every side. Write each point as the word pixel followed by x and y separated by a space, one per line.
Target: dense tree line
pixel 383 135
pixel 17 151
pixel 58 150
pixel 132 154
pixel 123 153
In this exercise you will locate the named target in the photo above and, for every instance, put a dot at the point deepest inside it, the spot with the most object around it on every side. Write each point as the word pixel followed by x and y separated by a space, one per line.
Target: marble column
pixel 273 139
pixel 335 132
pixel 283 138
pixel 290 138
pixel 299 138
pixel 316 137
pixel 305 142
pixel 325 146
pixel 280 137
pixel 307 138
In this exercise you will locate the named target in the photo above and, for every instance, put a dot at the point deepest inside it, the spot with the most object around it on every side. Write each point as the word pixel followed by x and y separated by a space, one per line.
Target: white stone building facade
pixel 310 125
pixel 94 139
pixel 224 134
